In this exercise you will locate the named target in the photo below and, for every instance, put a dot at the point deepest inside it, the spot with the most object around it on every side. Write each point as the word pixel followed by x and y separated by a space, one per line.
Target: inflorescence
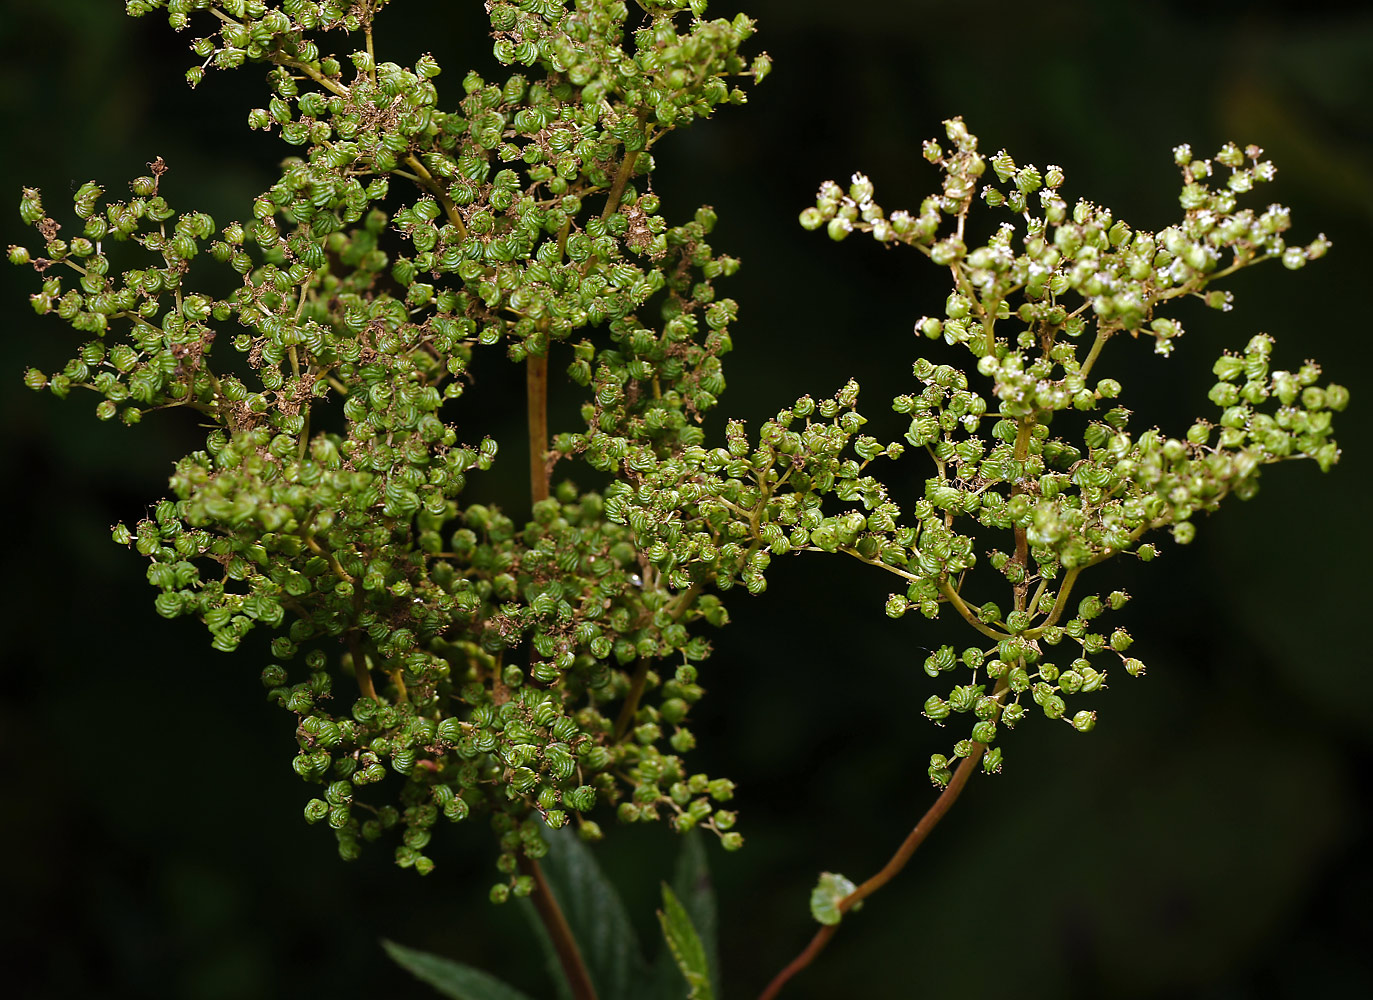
pixel 535 672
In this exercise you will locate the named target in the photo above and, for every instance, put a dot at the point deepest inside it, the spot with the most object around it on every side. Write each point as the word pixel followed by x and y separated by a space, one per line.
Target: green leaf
pixel 825 898
pixel 452 979
pixel 685 945
pixel 597 916
pixel 692 885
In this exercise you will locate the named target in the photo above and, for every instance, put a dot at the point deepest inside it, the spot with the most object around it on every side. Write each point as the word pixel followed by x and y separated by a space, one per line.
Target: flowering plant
pixel 540 673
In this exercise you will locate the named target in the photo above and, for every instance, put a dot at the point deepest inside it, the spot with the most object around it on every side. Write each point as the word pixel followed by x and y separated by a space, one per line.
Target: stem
pixel 1022 546
pixel 360 671
pixel 922 830
pixel 817 945
pixel 947 589
pixel 313 74
pixel 631 706
pixel 569 956
pixel 427 181
pixel 1095 352
pixel 1060 603
pixel 617 189
pixel 334 564
pixel 371 54
pixel 536 389
pixel 893 867
pixel 679 606
pixel 398 679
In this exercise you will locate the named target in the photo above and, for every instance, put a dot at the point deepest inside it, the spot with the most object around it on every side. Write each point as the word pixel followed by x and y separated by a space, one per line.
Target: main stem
pixel 545 903
pixel 898 861
pixel 536 389
pixel 569 956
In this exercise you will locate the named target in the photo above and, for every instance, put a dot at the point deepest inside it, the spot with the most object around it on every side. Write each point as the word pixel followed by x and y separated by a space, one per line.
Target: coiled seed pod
pixel 936 709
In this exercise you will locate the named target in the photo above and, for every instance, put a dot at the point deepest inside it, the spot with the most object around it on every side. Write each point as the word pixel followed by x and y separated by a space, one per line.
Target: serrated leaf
pixel 692 885
pixel 685 945
pixel 450 978
pixel 596 914
pixel 825 898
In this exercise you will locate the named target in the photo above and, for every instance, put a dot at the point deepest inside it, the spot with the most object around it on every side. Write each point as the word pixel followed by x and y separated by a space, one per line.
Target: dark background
pixel 1210 839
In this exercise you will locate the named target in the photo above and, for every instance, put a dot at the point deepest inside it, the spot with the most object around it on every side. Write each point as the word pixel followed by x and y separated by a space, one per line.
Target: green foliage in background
pixel 441 660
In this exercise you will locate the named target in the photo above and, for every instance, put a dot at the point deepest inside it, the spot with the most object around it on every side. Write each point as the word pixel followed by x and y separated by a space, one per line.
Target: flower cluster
pixel 535 672
pixel 531 672
pixel 1034 307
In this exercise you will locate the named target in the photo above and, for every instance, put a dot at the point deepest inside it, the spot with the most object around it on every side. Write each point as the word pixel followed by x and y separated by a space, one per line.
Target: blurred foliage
pixel 1215 842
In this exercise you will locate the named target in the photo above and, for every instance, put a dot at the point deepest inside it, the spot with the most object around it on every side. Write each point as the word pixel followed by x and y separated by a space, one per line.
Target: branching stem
pixel 947 589
pixel 427 181
pixel 1103 335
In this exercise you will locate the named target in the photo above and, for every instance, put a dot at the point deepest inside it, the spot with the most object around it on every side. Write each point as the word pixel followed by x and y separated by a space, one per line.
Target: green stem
pixel 1069 578
pixel 313 74
pixel 631 706
pixel 1102 336
pixel 622 176
pixel 946 588
pixel 426 181
pixel 371 52
pixel 360 671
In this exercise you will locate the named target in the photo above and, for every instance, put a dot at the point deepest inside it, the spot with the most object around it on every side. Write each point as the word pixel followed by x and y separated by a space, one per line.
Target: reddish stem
pixel 898 861
pixel 569 955
pixel 536 386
